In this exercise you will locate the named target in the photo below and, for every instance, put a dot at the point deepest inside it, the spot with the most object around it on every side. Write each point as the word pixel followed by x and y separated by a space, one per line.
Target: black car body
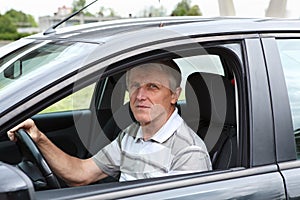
pixel 259 57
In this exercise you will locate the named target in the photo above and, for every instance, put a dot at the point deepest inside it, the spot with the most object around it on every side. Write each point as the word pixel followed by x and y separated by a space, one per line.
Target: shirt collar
pixel 166 131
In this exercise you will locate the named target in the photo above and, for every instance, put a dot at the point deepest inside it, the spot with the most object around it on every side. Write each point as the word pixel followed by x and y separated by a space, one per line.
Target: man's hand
pixel 30 127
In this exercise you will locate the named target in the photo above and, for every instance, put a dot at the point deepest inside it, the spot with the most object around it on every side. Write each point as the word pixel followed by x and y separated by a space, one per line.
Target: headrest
pixel 214 95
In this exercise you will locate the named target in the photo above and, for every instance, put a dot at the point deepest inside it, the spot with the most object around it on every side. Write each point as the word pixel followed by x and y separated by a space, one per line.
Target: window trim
pixel 285 145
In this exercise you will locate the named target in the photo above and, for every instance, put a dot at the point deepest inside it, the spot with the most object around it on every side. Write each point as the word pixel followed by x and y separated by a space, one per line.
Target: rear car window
pixel 289 50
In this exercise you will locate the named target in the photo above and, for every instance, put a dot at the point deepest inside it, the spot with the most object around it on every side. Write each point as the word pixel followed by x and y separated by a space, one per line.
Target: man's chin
pixel 143 121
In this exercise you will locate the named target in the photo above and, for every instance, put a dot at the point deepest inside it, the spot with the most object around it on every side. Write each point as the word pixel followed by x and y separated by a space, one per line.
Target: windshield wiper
pixel 53 27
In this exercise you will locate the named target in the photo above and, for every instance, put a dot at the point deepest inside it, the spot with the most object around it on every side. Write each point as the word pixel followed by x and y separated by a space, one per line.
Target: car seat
pixel 210 112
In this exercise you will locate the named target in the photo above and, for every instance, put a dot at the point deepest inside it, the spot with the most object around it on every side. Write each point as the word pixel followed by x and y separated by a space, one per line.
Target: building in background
pixel 46 21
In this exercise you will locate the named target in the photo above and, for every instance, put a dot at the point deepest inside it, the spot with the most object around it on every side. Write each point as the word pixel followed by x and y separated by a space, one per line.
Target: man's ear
pixel 175 95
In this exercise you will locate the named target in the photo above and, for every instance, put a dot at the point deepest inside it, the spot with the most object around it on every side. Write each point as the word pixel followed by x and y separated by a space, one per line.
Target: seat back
pixel 210 111
pixel 120 120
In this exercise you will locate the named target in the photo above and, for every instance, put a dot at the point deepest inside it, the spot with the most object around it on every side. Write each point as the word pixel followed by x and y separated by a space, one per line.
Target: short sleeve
pixel 191 159
pixel 108 158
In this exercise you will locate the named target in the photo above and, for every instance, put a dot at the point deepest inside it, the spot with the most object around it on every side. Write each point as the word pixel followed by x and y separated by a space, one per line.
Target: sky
pixel 209 8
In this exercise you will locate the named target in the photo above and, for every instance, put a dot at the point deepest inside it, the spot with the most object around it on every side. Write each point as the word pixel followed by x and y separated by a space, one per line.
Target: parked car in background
pixel 240 94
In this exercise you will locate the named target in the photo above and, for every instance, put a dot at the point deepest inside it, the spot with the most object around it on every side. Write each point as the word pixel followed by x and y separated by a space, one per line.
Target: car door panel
pixel 62 130
pixel 291 173
pixel 256 183
pixel 252 187
pixel 9 152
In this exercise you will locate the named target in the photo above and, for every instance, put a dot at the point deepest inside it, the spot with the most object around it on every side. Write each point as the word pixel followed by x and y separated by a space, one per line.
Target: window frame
pixel 287 96
pixel 282 119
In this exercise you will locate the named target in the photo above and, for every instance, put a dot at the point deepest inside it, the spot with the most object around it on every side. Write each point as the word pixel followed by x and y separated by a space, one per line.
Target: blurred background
pixel 19 18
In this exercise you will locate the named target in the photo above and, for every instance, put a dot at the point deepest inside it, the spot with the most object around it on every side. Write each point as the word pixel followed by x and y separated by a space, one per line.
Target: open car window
pixel 90 118
pixel 210 110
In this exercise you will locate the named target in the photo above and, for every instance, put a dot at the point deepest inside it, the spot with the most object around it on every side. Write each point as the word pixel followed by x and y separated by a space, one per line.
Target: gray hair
pixel 169 67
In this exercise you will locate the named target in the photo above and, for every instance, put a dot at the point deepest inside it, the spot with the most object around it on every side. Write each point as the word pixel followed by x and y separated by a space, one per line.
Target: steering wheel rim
pixel 31 153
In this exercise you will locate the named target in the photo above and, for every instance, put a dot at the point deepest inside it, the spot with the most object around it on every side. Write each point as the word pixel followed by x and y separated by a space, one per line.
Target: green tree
pixel 78 4
pixel 194 11
pixel 184 8
pixel 9 25
pixel 20 19
pixel 6 25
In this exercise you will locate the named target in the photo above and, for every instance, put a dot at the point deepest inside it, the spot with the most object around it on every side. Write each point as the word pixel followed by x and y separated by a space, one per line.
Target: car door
pixel 255 174
pixel 282 54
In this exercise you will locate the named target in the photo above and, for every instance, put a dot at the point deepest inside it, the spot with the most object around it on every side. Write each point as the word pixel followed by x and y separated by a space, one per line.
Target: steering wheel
pixel 34 164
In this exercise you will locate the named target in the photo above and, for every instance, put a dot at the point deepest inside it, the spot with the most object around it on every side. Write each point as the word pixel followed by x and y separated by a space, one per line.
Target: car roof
pixel 100 32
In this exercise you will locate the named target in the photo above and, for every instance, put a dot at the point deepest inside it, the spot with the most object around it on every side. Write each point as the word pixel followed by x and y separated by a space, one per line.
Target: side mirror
pixel 13 71
pixel 14 183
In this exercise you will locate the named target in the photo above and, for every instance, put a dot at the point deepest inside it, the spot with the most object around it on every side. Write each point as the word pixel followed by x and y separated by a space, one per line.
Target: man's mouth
pixel 142 106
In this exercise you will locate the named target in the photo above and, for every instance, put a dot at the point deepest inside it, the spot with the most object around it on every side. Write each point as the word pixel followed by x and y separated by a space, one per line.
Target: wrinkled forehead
pixel 152 72
pixel 152 68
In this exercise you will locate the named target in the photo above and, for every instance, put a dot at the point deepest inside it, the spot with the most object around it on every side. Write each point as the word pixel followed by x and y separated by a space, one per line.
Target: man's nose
pixel 141 93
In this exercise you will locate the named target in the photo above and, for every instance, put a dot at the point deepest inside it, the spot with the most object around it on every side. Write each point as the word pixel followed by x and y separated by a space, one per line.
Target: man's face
pixel 151 98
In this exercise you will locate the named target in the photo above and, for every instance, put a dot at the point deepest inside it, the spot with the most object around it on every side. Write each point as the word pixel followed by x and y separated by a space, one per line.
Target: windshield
pixel 31 59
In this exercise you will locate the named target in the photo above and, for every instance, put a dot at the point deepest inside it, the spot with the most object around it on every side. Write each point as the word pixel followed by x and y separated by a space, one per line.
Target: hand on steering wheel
pixel 34 164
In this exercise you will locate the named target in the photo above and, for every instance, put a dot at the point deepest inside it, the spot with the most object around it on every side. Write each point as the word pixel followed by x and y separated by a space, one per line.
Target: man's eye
pixel 153 86
pixel 134 86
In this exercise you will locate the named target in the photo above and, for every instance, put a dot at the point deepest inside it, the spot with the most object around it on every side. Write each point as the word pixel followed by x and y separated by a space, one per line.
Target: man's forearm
pixel 72 170
pixel 62 164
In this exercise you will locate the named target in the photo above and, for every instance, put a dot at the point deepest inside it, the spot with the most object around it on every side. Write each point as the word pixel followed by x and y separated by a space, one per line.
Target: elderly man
pixel 159 144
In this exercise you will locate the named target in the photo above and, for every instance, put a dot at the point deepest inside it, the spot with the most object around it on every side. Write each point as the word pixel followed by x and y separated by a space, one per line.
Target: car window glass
pixel 76 101
pixel 32 59
pixel 290 58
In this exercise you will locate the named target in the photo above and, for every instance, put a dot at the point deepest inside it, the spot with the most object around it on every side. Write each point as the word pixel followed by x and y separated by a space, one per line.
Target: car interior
pixel 207 104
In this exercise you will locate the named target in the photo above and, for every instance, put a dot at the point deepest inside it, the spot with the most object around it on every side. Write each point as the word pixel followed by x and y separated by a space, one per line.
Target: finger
pixel 25 124
pixel 11 136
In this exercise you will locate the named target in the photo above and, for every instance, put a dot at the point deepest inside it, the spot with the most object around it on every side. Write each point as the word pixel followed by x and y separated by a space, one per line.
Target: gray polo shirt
pixel 174 149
